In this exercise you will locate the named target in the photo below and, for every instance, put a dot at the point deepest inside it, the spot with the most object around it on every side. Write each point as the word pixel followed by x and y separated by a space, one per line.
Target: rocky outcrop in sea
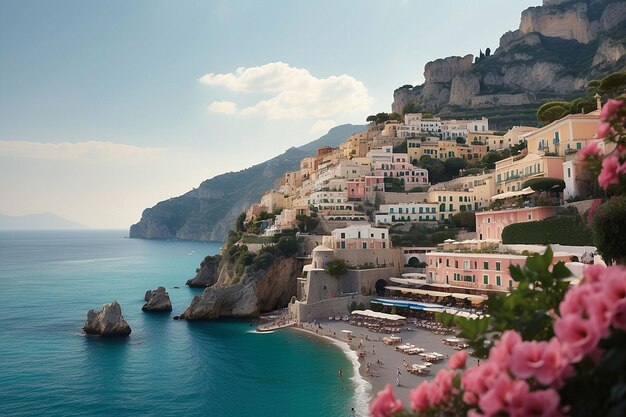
pixel 107 322
pixel 157 300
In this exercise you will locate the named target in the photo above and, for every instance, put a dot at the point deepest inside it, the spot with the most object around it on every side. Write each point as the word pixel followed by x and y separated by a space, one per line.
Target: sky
pixel 107 108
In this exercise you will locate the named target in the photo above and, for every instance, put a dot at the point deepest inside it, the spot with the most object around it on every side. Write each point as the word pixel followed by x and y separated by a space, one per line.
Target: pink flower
pixel 610 108
pixel 541 404
pixel 574 301
pixel 419 397
pixel 614 283
pixel 610 171
pixel 619 315
pixel 604 129
pixel 500 354
pixel 494 400
pixel 526 359
pixel 457 361
pixel 592 272
pixel 591 150
pixel 385 403
pixel 577 336
pixel 554 363
pixel 480 378
pixel 470 398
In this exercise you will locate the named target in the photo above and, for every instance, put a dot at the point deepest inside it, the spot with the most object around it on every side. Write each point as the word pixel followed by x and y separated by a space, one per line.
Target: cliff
pixel 255 292
pixel 208 212
pixel 557 49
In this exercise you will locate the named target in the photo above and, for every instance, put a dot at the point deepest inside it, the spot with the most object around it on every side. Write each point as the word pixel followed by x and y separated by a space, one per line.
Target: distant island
pixel 40 221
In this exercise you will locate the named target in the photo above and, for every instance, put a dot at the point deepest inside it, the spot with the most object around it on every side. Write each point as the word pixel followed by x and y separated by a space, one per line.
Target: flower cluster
pixel 528 378
pixel 612 129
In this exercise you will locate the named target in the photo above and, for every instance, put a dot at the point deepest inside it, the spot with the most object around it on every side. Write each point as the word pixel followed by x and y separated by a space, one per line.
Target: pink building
pixel 357 188
pixel 476 271
pixel 489 224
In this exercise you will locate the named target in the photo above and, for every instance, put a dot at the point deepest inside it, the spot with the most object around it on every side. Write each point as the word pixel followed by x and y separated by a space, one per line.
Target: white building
pixel 407 212
pixel 415 124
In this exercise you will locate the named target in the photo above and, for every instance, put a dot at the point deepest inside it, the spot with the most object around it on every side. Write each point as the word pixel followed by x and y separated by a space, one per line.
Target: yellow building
pixel 443 149
pixel 564 136
pixel 512 172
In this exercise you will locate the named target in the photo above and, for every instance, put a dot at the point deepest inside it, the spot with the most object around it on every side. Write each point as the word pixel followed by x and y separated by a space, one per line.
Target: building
pixel 406 212
pixel 512 172
pixel 273 200
pixel 564 136
pixel 359 189
pixel 358 237
pixel 489 224
pixel 477 272
pixel 452 129
pixel 387 164
pixel 415 125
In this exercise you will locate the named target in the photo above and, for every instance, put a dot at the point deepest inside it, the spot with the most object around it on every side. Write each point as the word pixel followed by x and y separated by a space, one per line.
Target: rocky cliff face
pixel 208 212
pixel 252 294
pixel 558 48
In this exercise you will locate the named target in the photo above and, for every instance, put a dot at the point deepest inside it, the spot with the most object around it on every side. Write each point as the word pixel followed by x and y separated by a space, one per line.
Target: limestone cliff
pixel 557 49
pixel 208 212
pixel 249 295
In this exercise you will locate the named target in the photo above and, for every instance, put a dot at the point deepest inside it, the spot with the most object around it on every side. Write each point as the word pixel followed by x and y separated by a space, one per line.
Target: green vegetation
pixel 394 185
pixel 307 224
pixel 563 230
pixel 354 306
pixel 336 268
pixel 440 237
pixel 547 184
pixel 465 219
pixel 382 117
pixel 608 225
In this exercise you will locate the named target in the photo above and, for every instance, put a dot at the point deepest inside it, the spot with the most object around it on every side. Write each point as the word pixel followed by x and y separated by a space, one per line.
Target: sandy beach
pixel 380 375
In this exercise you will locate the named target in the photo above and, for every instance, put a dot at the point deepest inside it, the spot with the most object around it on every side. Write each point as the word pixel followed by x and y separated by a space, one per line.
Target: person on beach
pixel 340 372
pixel 353 412
pixel 398 378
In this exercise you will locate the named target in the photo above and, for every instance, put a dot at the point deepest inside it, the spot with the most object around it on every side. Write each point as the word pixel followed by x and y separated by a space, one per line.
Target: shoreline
pixel 363 389
pixel 373 378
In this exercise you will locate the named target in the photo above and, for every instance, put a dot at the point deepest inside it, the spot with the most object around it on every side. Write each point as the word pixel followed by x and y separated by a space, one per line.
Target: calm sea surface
pixel 48 282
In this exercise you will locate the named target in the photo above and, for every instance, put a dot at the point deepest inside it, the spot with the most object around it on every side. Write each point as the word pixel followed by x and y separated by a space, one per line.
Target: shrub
pixel 287 245
pixel 336 268
pixel 563 230
pixel 439 237
pixel 608 225
pixel 545 184
pixel 263 261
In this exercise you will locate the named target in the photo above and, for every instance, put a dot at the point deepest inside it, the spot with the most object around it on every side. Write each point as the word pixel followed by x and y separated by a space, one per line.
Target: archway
pixel 380 286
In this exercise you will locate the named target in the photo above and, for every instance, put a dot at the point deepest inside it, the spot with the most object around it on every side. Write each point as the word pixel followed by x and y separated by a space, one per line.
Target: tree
pixel 553 110
pixel 306 223
pixel 609 222
pixel 371 118
pixel 465 219
pixel 288 246
pixel 461 140
pixel 453 165
pixel 395 116
pixel 613 84
pixel 488 52
pixel 547 184
pixel 239 224
pixel 411 108
pixel 336 268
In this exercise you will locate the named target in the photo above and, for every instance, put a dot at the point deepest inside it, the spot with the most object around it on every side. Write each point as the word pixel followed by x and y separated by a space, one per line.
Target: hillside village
pixel 348 205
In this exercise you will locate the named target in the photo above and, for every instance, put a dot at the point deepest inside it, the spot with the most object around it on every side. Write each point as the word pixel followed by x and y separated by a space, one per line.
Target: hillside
pixel 209 211
pixel 558 48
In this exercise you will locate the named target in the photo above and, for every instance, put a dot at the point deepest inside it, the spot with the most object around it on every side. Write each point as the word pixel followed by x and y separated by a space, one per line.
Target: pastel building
pixel 482 272
pixel 273 200
pixel 387 164
pixel 452 129
pixel 415 125
pixel 358 189
pixel 564 136
pixel 358 237
pixel 406 212
pixel 512 172
pixel 489 224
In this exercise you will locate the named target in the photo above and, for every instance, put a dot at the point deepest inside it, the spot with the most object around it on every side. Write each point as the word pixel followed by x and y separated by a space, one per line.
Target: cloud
pixel 322 126
pixel 295 92
pixel 86 152
pixel 226 107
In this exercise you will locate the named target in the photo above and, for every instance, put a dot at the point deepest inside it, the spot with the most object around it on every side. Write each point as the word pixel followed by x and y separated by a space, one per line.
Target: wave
pixel 363 388
pixel 86 261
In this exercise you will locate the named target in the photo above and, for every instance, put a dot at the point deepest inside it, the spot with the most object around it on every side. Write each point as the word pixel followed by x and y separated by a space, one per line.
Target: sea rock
pixel 107 322
pixel 157 300
pixel 205 277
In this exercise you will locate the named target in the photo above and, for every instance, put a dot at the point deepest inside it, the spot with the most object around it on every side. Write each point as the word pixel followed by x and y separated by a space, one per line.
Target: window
pixel 486 279
pixel 485 265
pixel 451 207
pixel 364 245
pixel 343 235
pixel 383 235
pixel 466 265
pixel 447 262
pixel 510 283
pixel 498 280
pixel 498 267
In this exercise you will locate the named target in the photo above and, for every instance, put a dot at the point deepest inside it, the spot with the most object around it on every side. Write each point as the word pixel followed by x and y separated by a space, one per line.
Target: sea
pixel 49 367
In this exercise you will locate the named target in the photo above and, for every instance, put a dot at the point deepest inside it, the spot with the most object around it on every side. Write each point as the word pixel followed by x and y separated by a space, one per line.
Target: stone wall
pixel 323 309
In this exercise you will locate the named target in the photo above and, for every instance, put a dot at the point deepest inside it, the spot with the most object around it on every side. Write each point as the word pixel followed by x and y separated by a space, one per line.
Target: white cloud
pixel 296 93
pixel 86 152
pixel 226 107
pixel 323 126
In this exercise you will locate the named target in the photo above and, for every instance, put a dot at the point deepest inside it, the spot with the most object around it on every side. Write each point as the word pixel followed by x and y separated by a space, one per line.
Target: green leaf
pixel 560 271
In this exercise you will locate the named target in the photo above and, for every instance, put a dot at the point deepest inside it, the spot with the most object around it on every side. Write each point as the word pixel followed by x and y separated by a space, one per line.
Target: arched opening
pixel 380 287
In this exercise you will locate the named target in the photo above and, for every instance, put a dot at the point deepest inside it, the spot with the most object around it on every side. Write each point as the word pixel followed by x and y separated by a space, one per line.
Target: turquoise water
pixel 48 281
